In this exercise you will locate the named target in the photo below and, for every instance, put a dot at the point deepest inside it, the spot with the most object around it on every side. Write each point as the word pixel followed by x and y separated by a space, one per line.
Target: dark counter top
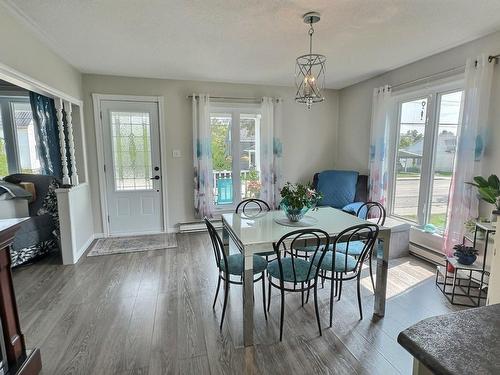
pixel 463 342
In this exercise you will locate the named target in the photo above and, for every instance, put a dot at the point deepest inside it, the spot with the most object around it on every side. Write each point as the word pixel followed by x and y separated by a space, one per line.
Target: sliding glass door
pixel 427 130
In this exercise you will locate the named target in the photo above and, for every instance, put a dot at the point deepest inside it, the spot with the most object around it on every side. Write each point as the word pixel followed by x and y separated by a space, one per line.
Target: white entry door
pixel 132 167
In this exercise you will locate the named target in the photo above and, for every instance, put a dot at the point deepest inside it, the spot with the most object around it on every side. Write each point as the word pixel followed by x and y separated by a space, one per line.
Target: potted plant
pixel 489 191
pixel 297 199
pixel 465 255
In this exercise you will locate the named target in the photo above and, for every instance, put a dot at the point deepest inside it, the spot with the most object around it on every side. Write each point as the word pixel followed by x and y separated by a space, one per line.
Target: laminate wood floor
pixel 151 313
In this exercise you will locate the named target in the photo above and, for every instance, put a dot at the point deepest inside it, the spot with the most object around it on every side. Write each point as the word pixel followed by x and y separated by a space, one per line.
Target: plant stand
pixel 461 282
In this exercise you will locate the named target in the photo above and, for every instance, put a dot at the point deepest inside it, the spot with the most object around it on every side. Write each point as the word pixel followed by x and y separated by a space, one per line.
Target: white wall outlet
pixel 176 153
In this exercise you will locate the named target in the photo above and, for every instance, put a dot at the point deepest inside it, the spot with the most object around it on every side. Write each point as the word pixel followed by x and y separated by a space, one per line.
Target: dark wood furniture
pixel 20 361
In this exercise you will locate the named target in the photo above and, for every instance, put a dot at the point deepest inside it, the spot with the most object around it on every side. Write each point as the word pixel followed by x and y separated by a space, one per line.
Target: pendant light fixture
pixel 310 70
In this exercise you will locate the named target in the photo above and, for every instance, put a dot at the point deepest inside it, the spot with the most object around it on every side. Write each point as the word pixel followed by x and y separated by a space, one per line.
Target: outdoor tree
pixel 411 137
pixel 221 160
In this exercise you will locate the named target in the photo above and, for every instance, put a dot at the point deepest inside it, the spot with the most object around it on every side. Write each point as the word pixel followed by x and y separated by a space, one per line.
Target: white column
pixel 62 141
pixel 69 124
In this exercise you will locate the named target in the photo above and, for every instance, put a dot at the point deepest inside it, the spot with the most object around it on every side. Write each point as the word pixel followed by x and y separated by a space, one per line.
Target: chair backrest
pixel 217 245
pixel 361 187
pixel 315 238
pixel 372 210
pixel 252 206
pixel 365 234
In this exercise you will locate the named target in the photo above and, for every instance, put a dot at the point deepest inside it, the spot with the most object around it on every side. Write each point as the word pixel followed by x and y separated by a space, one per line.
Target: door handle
pixel 155 178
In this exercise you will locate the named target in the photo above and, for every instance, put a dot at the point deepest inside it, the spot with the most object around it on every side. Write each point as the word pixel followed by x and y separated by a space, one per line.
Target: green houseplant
pixel 297 199
pixel 489 191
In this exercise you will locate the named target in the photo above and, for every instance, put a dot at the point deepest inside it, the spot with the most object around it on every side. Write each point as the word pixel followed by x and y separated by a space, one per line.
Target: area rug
pixel 122 245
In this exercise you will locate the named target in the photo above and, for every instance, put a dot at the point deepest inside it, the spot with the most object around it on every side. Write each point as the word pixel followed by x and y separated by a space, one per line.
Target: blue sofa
pixel 345 190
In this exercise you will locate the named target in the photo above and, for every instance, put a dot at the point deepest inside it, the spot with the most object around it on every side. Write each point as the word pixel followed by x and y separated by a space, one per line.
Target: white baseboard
pixel 84 248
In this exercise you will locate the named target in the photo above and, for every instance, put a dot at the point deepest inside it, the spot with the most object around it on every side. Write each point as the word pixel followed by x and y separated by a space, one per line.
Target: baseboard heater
pixel 427 254
pixel 198 226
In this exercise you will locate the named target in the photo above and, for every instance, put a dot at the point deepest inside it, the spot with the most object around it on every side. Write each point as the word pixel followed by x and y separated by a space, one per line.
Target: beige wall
pixel 21 50
pixel 355 103
pixel 309 137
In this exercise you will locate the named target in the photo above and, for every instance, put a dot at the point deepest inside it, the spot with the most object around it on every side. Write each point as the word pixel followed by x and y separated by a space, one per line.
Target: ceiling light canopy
pixel 310 70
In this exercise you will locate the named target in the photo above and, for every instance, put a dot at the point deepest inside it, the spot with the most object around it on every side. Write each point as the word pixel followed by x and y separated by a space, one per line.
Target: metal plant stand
pixel 460 282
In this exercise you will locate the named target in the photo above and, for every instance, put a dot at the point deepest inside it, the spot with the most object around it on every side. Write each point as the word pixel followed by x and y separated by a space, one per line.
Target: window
pixel 18 151
pixel 427 131
pixel 235 144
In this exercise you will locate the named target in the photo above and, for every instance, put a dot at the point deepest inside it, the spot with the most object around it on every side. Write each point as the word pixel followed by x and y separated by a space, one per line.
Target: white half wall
pixel 76 221
pixel 309 136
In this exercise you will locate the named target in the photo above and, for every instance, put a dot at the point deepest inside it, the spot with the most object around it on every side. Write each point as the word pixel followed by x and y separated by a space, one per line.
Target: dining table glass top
pixel 263 227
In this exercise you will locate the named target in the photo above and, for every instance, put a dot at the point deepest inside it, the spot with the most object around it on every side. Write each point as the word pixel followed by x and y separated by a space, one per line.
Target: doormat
pixel 123 245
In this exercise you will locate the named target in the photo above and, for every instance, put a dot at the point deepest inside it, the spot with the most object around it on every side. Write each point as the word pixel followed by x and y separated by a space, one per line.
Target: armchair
pixel 40 233
pixel 345 190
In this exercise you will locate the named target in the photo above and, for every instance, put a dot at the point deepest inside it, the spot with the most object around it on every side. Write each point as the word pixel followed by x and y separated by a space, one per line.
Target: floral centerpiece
pixel 297 199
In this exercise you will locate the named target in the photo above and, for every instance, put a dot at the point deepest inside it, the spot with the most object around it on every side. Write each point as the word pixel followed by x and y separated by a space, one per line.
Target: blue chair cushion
pixel 235 264
pixel 301 269
pixel 340 262
pixel 355 248
pixel 354 207
pixel 338 188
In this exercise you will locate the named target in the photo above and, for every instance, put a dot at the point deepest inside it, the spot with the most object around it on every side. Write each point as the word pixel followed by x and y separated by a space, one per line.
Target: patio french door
pixel 235 146
pixel 426 139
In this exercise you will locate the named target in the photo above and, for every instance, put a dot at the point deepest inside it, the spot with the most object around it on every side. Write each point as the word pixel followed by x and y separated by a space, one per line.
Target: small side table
pixel 461 276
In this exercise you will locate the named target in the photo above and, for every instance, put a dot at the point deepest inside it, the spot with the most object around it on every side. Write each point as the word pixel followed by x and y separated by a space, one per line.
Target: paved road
pixel 406 200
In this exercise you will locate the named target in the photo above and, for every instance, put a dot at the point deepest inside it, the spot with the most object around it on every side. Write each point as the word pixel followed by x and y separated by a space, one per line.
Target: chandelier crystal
pixel 310 70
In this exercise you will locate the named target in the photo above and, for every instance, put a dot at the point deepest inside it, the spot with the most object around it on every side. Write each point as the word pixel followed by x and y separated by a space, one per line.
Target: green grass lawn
pixel 438 220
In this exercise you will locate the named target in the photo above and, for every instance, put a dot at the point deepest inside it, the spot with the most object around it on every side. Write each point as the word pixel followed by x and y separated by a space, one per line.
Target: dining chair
pixel 369 210
pixel 253 207
pixel 228 265
pixel 293 274
pixel 344 266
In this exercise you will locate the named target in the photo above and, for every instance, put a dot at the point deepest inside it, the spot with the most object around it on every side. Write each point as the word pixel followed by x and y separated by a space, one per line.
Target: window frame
pixel 235 110
pixel 10 131
pixel 433 92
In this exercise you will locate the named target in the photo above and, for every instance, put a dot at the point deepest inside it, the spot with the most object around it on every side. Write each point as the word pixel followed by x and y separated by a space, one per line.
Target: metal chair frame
pixel 224 274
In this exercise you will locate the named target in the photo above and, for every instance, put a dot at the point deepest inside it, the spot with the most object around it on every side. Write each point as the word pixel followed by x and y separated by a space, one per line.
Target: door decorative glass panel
pixel 131 140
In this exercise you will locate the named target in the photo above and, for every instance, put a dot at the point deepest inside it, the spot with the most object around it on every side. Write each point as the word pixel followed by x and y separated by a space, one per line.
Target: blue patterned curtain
pixel 472 139
pixel 47 134
pixel 271 151
pixel 202 157
pixel 379 144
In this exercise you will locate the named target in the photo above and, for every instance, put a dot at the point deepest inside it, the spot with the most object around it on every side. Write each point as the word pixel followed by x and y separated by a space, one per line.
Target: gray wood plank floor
pixel 151 313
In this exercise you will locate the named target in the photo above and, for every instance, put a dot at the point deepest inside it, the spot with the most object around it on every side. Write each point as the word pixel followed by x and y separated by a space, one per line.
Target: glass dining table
pixel 257 233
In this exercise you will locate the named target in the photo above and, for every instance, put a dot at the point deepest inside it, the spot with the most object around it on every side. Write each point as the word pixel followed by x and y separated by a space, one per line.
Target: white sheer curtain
pixel 202 157
pixel 463 202
pixel 382 108
pixel 271 150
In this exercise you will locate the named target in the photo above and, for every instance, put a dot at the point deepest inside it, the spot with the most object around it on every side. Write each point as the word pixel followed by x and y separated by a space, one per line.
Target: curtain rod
pixel 229 98
pixel 447 71
pixel 494 57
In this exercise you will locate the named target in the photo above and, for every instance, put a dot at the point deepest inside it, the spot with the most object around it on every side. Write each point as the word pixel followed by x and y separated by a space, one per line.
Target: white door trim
pixel 97 99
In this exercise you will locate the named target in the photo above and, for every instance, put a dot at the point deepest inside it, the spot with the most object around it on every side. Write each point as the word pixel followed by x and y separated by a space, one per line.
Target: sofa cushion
pixel 338 187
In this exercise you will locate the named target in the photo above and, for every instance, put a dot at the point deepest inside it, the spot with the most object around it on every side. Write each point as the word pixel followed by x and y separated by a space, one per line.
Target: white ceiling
pixel 252 41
